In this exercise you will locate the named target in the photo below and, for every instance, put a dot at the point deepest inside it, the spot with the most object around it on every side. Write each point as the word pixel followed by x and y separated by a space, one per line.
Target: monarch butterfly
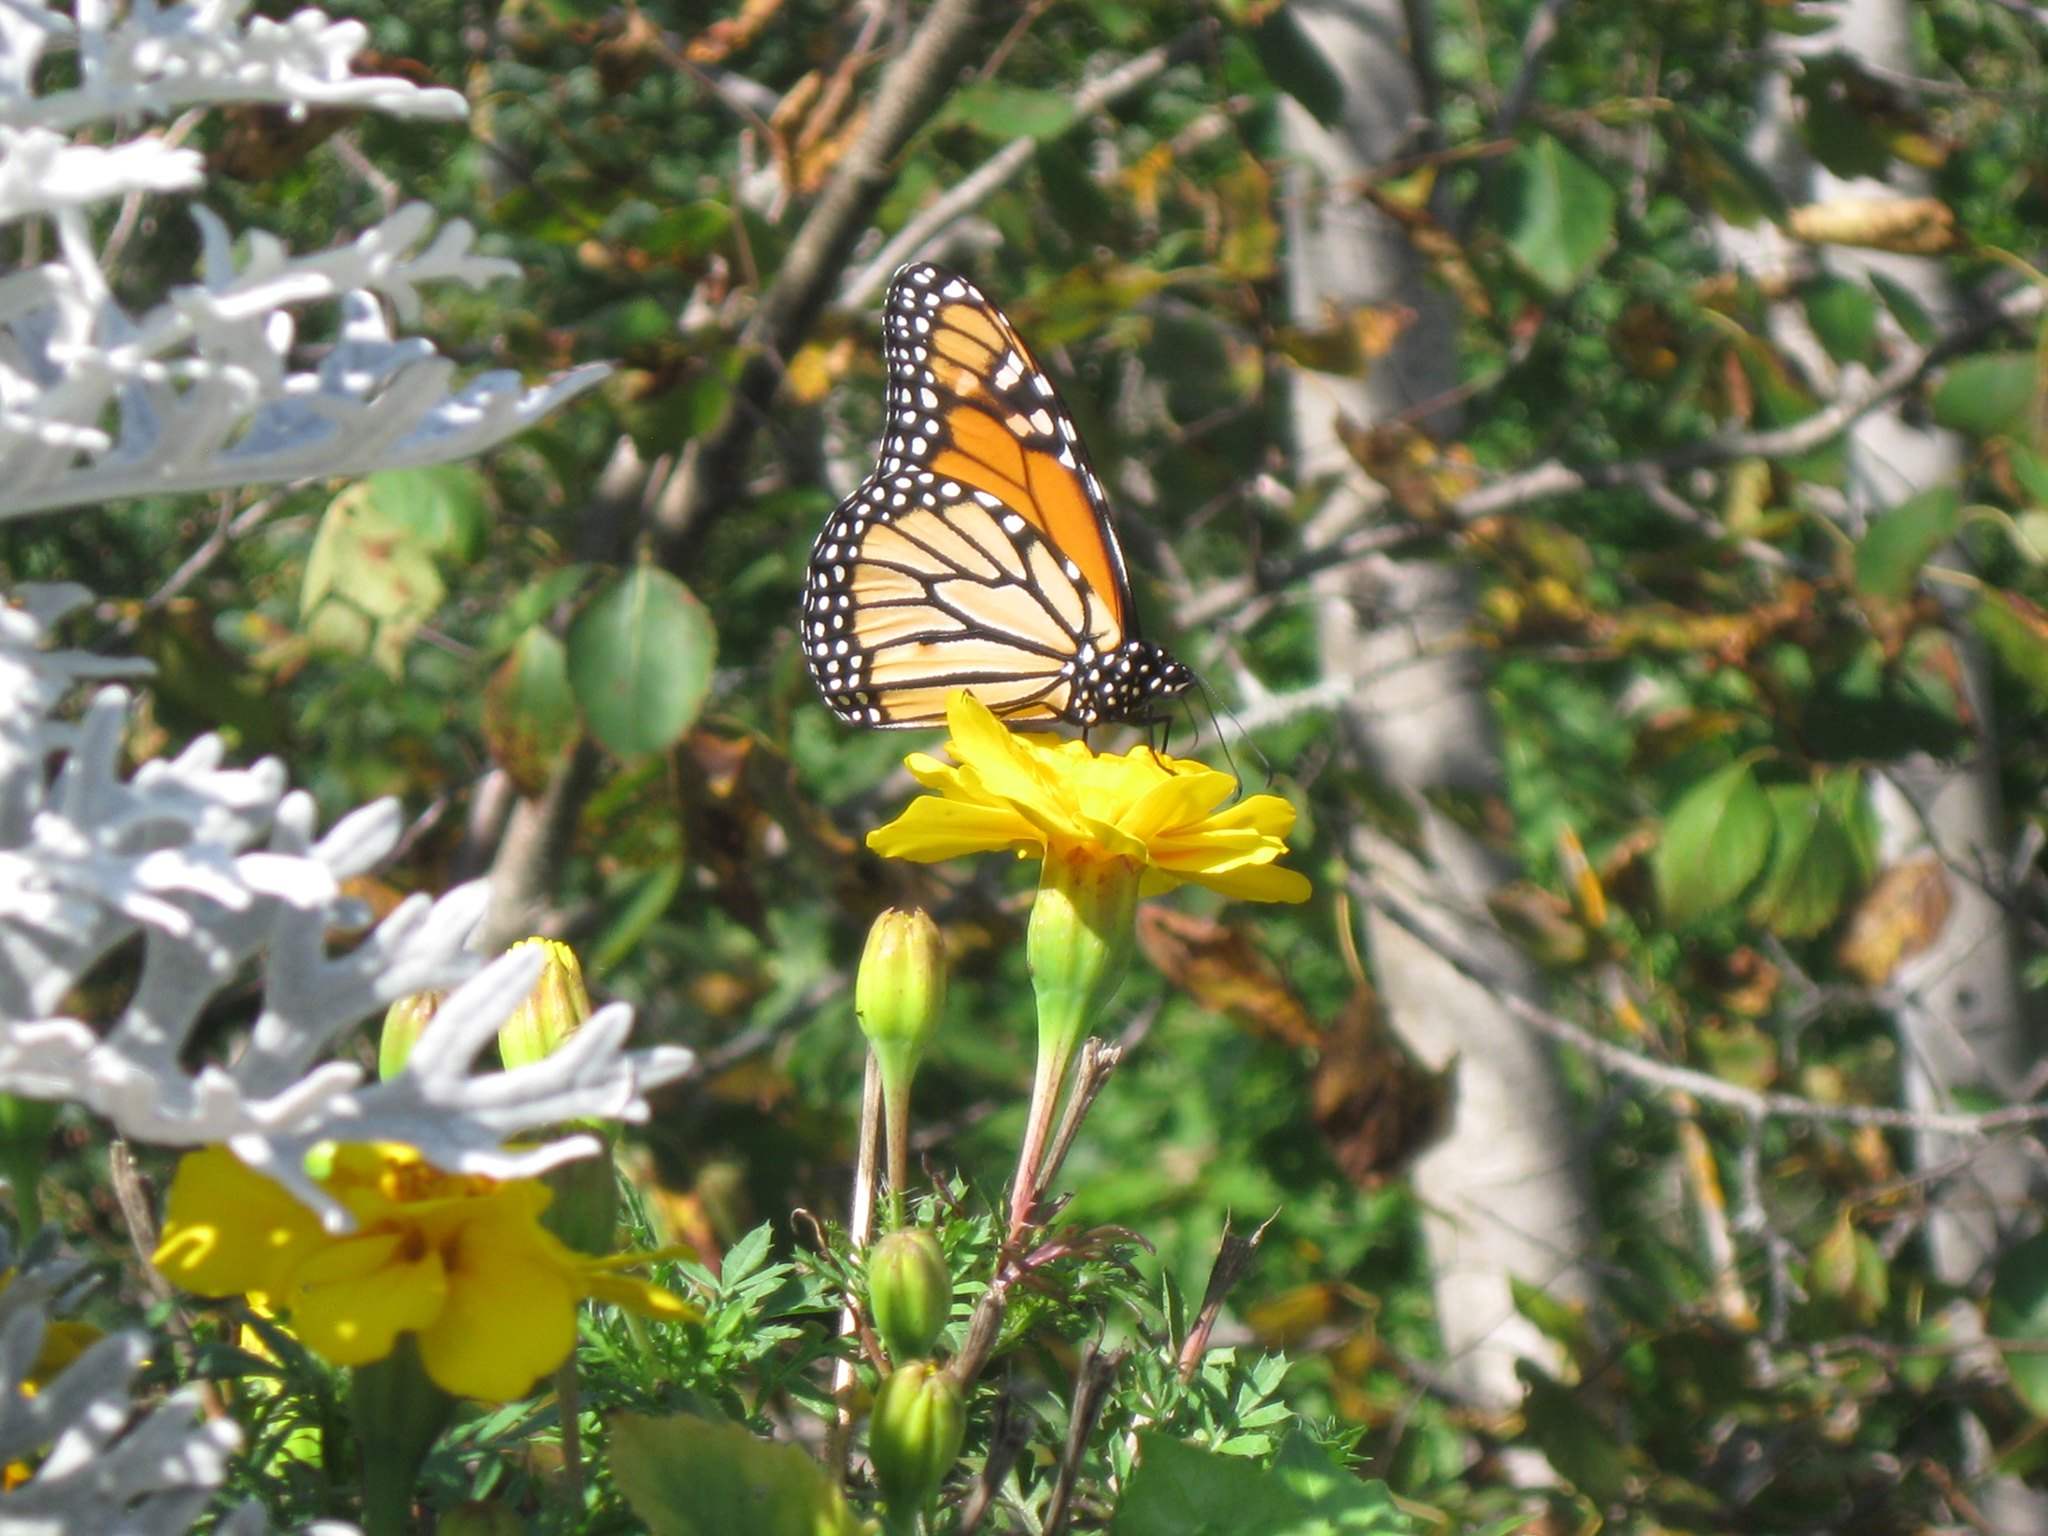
pixel 979 553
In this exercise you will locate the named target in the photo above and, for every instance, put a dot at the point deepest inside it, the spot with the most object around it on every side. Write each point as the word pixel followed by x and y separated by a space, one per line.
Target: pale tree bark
pixel 1964 1025
pixel 1506 1193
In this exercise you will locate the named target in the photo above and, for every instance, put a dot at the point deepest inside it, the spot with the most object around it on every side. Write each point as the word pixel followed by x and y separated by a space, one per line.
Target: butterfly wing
pixel 979 554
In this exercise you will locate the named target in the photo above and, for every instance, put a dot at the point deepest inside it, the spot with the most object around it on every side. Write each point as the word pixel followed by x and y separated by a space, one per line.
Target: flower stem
pixel 1045 1098
pixel 399 1412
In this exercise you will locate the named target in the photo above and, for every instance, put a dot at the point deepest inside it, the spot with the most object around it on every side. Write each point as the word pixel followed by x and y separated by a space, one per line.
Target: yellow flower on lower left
pixel 460 1261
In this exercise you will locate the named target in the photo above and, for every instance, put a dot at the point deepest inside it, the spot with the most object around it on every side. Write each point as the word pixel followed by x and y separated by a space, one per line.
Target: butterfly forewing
pixel 979 553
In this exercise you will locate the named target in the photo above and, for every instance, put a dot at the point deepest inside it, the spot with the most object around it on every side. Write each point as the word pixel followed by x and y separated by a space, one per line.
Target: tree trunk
pixel 1964 1026
pixel 1506 1193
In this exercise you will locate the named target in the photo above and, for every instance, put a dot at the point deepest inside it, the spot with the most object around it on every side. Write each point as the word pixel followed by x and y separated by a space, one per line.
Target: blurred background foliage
pixel 1693 680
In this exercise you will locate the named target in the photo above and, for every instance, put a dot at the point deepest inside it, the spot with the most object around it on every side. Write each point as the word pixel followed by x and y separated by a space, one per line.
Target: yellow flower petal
pixel 351 1301
pixel 229 1229
pixel 1038 794
pixel 510 1317
pixel 641 1296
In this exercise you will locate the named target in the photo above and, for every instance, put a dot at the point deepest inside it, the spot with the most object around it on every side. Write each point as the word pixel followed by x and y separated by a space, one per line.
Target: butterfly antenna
pixel 1218 713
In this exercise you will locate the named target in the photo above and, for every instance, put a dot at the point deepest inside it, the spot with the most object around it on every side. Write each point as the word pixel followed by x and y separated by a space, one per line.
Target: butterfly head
pixel 1128 684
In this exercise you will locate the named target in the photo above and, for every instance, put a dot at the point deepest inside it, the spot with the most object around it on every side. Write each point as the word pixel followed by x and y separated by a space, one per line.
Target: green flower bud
pixel 914 1435
pixel 910 1292
pixel 898 996
pixel 585 1210
pixel 553 1011
pixel 480 1517
pixel 404 1022
pixel 900 989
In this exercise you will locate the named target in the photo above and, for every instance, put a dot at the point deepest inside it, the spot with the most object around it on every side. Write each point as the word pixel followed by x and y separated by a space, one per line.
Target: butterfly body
pixel 979 554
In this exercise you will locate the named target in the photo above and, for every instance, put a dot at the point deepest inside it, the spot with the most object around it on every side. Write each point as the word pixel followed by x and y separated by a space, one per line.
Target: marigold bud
pixel 914 1436
pixel 404 1022
pixel 901 988
pixel 910 1292
pixel 553 1011
pixel 898 996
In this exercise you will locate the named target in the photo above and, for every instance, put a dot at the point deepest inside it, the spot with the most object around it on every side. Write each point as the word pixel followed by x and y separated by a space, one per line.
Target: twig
pixel 1675 1079
pixel 1091 1391
pixel 706 480
pixel 1550 480
pixel 226 531
pixel 133 1199
pixel 1006 1441
pixel 1098 1060
pixel 986 179
pixel 860 1226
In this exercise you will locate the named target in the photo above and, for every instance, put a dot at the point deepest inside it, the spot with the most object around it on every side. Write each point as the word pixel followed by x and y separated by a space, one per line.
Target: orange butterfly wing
pixel 979 553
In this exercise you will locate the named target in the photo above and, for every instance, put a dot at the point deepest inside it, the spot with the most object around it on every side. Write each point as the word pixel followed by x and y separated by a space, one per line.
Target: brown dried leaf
pixel 1911 226
pixel 1897 918
pixel 1222 970
pixel 1377 1106
pixel 719 41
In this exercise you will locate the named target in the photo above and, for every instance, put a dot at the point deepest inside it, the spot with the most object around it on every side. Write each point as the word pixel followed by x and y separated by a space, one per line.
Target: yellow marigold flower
pixel 458 1260
pixel 1038 794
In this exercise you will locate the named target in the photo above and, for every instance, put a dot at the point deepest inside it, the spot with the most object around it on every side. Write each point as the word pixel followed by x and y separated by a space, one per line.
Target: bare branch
pixel 706 482
pixel 1669 1078
pixel 986 179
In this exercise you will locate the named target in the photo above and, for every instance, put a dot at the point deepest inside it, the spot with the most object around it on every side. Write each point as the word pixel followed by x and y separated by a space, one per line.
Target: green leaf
pixel 370 580
pixel 1906 309
pixel 442 506
pixel 1183 1490
pixel 1008 111
pixel 1741 190
pixel 2018 631
pixel 1843 314
pixel 1843 139
pixel 639 662
pixel 2019 1315
pixel 1555 211
pixel 1578 1444
pixel 1812 865
pixel 1898 542
pixel 1995 395
pixel 1715 842
pixel 2030 470
pixel 529 713
pixel 1295 64
pixel 687 1476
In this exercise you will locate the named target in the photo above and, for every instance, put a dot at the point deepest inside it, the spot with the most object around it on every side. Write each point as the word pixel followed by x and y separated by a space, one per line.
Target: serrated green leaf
pixel 1182 1490
pixel 1555 211
pixel 639 662
pixel 1898 542
pixel 687 1476
pixel 1715 842
pixel 1997 394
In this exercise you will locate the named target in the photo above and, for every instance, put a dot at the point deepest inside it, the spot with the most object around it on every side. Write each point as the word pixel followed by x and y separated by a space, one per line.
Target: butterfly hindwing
pixel 979 554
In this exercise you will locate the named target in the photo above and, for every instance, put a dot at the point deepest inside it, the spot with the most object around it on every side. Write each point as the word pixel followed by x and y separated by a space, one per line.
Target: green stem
pixel 1050 1077
pixel 399 1412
